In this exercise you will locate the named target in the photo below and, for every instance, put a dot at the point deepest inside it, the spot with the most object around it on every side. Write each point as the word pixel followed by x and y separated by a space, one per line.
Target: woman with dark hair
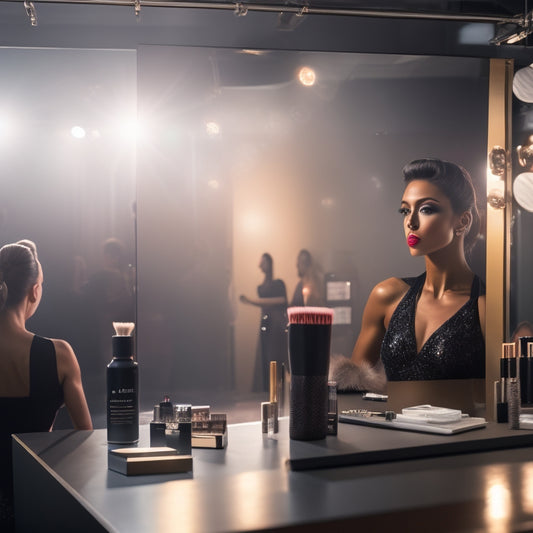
pixel 272 298
pixel 37 375
pixel 430 326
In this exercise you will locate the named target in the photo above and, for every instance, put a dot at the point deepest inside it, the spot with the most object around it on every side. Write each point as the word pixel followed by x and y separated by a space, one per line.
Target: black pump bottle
pixel 122 388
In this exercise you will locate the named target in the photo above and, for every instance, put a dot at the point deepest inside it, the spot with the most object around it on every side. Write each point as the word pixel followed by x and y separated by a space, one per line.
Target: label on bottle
pixel 122 404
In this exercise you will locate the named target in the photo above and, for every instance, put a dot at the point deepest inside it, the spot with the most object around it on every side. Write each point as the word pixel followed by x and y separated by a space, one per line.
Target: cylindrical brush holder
pixel 309 346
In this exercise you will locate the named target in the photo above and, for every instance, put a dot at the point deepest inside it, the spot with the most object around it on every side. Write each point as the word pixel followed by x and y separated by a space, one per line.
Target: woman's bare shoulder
pixel 389 290
pixel 63 348
pixel 65 357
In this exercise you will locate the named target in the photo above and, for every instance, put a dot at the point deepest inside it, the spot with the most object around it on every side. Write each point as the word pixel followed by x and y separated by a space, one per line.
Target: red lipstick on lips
pixel 412 240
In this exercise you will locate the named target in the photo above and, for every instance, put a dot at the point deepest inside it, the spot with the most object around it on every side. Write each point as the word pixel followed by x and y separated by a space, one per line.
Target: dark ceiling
pixel 497 8
pixel 472 28
pixel 494 7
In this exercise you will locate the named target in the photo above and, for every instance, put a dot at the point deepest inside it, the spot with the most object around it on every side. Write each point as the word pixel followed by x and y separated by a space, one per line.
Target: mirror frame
pixel 498 251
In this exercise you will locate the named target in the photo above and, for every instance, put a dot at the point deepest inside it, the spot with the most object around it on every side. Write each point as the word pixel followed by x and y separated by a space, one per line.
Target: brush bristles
pixel 310 315
pixel 123 329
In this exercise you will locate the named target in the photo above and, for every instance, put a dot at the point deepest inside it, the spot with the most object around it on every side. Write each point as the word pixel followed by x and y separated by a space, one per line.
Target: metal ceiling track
pixel 242 8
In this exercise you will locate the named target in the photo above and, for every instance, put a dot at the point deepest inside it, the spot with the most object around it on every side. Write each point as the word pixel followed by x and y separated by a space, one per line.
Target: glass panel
pixel 242 157
pixel 70 190
pixel 521 303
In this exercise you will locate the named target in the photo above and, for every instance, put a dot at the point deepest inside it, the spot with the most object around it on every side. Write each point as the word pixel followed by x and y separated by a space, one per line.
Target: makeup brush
pixel 123 329
pixel 317 316
pixel 309 345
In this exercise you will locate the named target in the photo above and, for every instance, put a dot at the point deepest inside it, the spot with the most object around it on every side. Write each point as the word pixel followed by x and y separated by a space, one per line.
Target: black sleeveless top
pixel 35 412
pixel 456 350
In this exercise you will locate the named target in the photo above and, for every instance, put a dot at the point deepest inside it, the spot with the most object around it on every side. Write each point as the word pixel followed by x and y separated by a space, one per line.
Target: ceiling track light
pixel 240 10
pixel 30 11
pixel 298 7
pixel 510 29
pixel 511 33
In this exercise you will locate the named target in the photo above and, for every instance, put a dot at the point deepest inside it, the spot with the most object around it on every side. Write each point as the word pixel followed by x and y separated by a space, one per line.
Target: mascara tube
pixel 529 396
pixel 274 395
pixel 502 414
pixel 333 412
pixel 513 389
pixel 526 381
pixel 523 370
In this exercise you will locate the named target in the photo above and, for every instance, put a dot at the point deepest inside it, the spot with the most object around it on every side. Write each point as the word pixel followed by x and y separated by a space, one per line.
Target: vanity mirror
pixel 245 153
pixel 235 157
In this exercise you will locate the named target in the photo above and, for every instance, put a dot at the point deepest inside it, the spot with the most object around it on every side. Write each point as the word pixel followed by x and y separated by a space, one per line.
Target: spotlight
pixel 510 33
pixel 77 132
pixel 307 76
pixel 212 129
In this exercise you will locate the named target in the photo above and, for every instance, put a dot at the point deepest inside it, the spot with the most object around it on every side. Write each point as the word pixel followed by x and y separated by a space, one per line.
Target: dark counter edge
pixel 33 476
pixel 359 458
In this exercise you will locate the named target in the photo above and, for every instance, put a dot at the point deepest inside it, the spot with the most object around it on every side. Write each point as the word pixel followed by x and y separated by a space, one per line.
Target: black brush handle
pixel 309 349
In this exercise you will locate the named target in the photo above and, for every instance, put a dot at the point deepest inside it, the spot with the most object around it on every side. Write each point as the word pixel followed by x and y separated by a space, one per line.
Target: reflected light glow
pixel 251 505
pixel 495 191
pixel 498 503
pixel 127 129
pixel 77 132
pixel 307 76
pixel 252 222
pixel 212 129
pixel 527 488
pixel 5 127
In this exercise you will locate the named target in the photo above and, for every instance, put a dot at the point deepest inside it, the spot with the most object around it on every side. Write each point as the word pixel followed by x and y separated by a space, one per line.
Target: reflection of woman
pixel 37 375
pixel 431 326
pixel 272 298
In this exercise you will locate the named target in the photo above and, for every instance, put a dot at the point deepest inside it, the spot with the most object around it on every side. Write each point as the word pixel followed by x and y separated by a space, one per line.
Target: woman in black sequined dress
pixel 432 326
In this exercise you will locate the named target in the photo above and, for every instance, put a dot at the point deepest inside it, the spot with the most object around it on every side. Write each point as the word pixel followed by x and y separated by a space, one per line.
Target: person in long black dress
pixel 272 299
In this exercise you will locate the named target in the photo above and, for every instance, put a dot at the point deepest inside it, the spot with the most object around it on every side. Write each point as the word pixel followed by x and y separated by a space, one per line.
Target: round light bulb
pixel 307 76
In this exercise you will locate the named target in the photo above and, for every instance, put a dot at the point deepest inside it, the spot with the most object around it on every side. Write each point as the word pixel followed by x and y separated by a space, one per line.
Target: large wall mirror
pixel 236 157
pixel 244 153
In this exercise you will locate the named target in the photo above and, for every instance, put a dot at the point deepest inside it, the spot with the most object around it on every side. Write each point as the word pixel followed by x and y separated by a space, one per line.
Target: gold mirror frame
pixel 499 212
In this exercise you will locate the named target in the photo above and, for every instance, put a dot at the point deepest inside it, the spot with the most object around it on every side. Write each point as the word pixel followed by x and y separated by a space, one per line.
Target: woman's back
pixel 14 361
pixel 36 374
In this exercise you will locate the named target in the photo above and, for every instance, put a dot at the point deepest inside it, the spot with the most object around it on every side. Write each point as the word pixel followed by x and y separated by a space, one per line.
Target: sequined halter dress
pixel 456 350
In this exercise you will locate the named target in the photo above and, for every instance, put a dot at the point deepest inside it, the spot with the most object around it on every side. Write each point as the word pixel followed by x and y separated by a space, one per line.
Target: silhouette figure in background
pixel 111 287
pixel 107 296
pixel 272 299
pixel 37 375
pixel 309 290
